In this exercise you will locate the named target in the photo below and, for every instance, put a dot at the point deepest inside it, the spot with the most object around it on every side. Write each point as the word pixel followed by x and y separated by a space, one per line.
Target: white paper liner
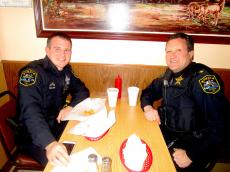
pixel 96 125
pixel 78 161
pixel 78 112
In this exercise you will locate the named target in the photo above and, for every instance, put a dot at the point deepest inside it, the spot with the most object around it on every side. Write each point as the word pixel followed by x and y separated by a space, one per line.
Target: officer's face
pixel 177 55
pixel 59 52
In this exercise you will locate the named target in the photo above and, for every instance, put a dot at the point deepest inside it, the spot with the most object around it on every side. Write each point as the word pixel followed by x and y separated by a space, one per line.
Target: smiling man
pixel 193 105
pixel 43 88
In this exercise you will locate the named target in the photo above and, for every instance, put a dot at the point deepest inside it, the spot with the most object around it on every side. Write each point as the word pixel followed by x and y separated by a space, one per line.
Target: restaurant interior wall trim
pixel 19 42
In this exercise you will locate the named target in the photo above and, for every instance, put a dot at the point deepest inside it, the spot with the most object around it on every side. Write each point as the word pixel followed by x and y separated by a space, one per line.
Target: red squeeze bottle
pixel 118 85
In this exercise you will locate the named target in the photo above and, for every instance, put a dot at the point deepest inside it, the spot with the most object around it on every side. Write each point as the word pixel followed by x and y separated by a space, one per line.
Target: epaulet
pixel 201 69
pixel 35 63
pixel 162 75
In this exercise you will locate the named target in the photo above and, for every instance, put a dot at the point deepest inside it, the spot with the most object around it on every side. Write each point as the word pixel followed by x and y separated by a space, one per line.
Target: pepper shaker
pixel 106 164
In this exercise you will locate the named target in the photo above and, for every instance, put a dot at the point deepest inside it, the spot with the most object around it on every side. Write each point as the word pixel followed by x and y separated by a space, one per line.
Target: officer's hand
pixel 181 158
pixel 56 154
pixel 151 114
pixel 63 113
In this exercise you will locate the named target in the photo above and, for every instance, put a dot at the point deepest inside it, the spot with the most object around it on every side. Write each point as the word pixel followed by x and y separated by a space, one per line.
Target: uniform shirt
pixel 42 94
pixel 204 89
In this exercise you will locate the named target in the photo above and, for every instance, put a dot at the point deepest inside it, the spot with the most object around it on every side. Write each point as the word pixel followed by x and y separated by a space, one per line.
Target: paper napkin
pixel 96 125
pixel 85 109
pixel 134 153
pixel 78 161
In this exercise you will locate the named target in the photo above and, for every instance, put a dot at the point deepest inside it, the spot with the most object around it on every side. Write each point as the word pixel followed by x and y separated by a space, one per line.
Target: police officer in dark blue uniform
pixel 43 88
pixel 192 109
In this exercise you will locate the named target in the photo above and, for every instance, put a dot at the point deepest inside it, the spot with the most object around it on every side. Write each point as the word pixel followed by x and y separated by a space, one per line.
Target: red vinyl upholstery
pixel 7 111
pixel 16 159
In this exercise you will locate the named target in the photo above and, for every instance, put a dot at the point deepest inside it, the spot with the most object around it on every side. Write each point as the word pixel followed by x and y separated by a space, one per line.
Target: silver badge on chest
pixel 66 84
pixel 52 86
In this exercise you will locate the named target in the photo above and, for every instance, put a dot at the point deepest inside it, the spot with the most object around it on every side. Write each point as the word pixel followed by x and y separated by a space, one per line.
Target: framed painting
pixel 146 20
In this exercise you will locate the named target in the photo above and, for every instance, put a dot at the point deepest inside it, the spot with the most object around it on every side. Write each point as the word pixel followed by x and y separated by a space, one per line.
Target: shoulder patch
pixel 209 84
pixel 28 77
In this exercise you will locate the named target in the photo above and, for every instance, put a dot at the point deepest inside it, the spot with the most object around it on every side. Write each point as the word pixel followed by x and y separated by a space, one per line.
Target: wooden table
pixel 129 120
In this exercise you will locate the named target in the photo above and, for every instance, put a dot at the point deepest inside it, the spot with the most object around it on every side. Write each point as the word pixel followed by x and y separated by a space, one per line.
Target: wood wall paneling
pixel 98 77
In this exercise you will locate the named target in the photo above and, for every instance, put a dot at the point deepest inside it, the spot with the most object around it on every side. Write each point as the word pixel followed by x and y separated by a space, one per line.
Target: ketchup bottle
pixel 118 85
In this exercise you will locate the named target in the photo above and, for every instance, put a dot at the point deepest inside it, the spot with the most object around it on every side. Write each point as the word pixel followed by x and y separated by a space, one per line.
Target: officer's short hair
pixel 189 40
pixel 58 34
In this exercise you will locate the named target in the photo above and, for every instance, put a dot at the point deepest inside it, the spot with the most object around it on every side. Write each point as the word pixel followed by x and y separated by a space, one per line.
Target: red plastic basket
pixel 97 138
pixel 147 163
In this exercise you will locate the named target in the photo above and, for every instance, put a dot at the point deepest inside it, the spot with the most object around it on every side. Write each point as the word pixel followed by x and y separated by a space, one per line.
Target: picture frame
pixel 86 20
pixel 18 3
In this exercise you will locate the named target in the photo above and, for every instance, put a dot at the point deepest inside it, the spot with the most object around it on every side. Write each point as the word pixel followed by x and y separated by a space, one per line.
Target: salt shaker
pixel 106 164
pixel 92 163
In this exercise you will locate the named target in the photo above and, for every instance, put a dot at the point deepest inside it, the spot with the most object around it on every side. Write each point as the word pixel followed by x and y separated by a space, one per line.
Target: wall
pixel 19 42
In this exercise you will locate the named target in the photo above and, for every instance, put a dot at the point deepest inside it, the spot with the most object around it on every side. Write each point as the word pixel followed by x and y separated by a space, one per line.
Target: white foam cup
pixel 133 95
pixel 112 96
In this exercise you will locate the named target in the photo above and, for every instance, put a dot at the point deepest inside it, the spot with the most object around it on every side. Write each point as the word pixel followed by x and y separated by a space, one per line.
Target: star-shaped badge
pixel 178 80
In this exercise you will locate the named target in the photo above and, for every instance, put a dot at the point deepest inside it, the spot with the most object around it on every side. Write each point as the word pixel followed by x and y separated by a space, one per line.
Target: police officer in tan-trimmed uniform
pixel 192 109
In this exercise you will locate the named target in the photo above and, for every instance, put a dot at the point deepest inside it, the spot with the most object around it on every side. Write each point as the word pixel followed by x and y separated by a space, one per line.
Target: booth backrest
pixel 98 77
